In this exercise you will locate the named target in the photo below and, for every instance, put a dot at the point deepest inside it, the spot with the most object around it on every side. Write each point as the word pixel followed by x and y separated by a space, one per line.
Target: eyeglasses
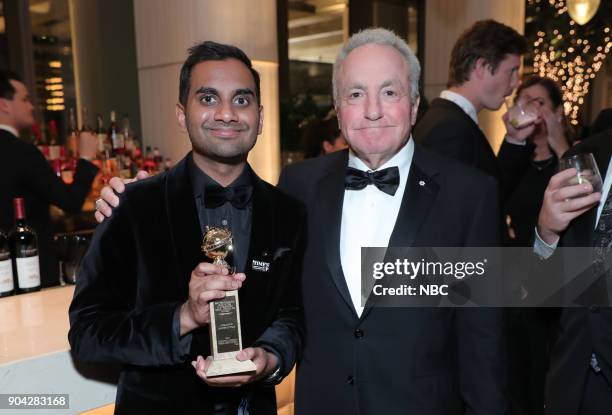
pixel 388 95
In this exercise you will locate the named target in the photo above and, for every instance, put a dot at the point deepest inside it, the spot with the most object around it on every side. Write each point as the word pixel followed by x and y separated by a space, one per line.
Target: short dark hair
pixel 485 39
pixel 7 90
pixel 212 51
pixel 552 88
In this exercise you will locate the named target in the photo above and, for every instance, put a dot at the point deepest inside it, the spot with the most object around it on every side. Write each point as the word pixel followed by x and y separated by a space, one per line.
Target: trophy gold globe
pixel 224 328
pixel 217 245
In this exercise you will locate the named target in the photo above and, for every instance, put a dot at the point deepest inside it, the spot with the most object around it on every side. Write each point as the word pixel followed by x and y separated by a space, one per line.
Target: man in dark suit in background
pixel 484 69
pixel 579 381
pixel 142 298
pixel 25 173
pixel 368 360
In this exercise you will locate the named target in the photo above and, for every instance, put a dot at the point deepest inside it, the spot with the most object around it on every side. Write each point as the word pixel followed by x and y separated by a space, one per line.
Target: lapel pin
pixel 261 266
pixel 421 183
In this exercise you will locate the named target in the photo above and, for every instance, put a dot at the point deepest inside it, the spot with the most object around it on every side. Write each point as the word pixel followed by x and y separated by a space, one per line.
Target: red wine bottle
pixel 7 284
pixel 24 247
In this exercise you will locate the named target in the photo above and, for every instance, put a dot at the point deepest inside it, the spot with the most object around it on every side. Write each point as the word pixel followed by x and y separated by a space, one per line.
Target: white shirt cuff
pixel 541 248
pixel 515 142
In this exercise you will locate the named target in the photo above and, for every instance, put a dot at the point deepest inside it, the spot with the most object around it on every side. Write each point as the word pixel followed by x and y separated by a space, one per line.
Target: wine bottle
pixel 24 248
pixel 7 284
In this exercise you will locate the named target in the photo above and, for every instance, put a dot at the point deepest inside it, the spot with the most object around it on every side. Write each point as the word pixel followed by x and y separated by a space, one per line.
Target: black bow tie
pixel 238 196
pixel 387 180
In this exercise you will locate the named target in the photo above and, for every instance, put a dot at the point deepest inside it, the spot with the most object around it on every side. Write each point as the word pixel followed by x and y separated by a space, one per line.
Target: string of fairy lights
pixel 570 58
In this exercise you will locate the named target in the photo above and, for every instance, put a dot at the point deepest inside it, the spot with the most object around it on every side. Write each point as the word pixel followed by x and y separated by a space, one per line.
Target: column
pixel 164 32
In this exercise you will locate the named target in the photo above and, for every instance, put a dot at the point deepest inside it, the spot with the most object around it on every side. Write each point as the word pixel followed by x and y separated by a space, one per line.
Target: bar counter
pixel 35 354
pixel 35 357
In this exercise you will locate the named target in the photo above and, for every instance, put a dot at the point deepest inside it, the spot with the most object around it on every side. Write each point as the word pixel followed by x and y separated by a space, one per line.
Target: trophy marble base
pixel 231 366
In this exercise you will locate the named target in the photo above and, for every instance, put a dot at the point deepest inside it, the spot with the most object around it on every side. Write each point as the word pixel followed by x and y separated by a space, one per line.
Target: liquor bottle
pixel 102 137
pixel 115 135
pixel 54 146
pixel 128 136
pixel 7 284
pixel 72 142
pixel 24 249
pixel 85 121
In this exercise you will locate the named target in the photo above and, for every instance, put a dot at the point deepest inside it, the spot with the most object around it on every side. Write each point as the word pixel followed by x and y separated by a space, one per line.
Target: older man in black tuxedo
pixel 388 191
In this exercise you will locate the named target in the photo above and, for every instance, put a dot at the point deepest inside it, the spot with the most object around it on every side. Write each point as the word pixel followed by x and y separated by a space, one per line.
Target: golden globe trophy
pixel 224 327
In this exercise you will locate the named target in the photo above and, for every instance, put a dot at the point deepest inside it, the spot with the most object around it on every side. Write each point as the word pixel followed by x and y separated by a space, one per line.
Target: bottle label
pixel 6 276
pixel 28 272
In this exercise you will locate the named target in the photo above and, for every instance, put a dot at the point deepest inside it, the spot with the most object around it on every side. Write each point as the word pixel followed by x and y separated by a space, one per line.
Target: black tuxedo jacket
pixel 446 129
pixel 25 173
pixel 397 360
pixel 136 274
pixel 581 331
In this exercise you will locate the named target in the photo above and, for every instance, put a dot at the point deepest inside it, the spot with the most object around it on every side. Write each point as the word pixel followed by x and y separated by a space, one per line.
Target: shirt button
pixel 350 380
pixel 358 333
pixel 224 222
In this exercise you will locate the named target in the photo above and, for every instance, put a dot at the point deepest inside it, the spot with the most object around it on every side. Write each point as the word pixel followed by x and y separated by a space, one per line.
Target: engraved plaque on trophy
pixel 225 334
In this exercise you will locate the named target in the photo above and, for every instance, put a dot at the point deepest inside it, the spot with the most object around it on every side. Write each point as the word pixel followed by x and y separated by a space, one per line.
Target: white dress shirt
pixel 10 129
pixel 545 250
pixel 368 218
pixel 462 102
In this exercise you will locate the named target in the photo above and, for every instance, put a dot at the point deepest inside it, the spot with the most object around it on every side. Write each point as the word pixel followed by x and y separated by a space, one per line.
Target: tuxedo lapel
pixel 419 196
pixel 255 289
pixel 328 220
pixel 420 193
pixel 183 224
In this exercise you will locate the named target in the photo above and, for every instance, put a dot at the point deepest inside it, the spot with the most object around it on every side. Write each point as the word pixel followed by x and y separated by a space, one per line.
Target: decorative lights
pixel 571 57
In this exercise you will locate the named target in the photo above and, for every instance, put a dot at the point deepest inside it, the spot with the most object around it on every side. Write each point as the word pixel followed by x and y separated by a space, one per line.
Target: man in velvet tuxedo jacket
pixel 24 172
pixel 142 298
pixel 484 69
pixel 388 191
pixel 580 375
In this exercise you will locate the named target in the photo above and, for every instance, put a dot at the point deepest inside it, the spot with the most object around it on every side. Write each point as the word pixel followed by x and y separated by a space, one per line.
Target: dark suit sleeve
pixel 106 324
pixel 38 175
pixel 285 336
pixel 480 336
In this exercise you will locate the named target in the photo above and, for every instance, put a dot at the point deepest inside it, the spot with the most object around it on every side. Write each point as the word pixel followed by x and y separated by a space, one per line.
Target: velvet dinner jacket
pixel 136 274
pixel 397 360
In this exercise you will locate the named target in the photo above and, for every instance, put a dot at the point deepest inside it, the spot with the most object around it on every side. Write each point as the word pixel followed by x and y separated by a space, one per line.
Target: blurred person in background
pixel 547 138
pixel 323 137
pixel 483 71
pixel 24 172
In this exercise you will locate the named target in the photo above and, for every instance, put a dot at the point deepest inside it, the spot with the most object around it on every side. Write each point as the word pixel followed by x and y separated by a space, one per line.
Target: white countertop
pixel 35 324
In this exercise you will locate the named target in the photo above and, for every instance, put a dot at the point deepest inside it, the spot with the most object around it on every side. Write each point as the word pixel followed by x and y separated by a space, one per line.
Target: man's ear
pixel 180 116
pixel 261 119
pixel 415 109
pixel 5 105
pixel 481 68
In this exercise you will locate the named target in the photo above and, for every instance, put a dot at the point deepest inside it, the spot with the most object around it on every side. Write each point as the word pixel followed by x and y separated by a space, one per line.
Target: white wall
pixel 165 30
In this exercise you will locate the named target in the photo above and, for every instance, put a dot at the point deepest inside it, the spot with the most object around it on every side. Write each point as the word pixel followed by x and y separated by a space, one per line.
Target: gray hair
pixel 384 37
